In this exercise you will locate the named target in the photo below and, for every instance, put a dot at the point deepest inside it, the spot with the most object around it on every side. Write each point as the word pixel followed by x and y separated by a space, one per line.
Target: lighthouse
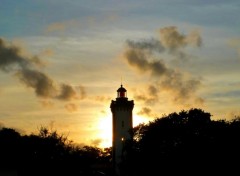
pixel 121 124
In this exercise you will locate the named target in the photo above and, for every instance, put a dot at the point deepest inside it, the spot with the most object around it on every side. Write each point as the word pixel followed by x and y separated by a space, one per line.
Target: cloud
pixel 145 111
pixel 71 107
pixel 147 44
pixel 27 70
pixel 47 52
pixel 102 98
pixel 67 92
pixel 150 96
pixel 83 92
pixel 174 42
pixel 144 56
pixel 152 90
pixel 235 44
pixel 182 88
pixel 47 104
pixel 61 26
pixel 40 82
pixel 171 39
pixel 139 59
pixel 96 142
pixel 11 59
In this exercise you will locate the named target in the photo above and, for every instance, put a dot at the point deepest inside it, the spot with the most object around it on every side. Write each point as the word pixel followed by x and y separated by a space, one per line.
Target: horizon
pixel 61 62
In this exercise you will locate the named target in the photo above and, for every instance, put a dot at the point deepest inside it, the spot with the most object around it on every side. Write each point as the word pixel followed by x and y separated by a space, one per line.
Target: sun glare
pixel 105 128
pixel 139 119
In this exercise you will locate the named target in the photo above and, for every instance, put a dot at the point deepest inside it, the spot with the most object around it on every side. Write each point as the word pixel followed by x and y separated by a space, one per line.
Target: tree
pixel 9 151
pixel 185 141
pixel 50 153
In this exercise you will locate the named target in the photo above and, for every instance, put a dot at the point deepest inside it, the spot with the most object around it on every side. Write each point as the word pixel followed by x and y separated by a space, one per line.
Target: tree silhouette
pixel 188 142
pixel 49 153
pixel 9 151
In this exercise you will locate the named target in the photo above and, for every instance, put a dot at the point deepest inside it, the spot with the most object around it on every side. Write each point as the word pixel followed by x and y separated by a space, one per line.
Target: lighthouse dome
pixel 122 92
pixel 121 89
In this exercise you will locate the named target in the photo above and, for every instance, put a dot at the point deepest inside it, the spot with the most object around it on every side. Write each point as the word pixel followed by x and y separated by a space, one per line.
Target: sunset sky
pixel 61 62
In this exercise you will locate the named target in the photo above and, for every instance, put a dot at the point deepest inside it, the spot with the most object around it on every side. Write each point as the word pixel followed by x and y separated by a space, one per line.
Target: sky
pixel 62 61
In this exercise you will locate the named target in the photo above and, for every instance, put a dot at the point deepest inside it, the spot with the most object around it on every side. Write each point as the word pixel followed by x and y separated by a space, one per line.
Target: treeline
pixel 188 142
pixel 185 143
pixel 50 154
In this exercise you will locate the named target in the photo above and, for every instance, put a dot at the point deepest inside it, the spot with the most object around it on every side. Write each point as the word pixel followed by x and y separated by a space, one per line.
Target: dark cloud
pixel 40 82
pixel 147 44
pixel 25 68
pixel 152 90
pixel 139 59
pixel 146 99
pixel 180 87
pixel 145 111
pixel 174 42
pixel 171 39
pixel 67 92
pixel 10 57
pixel 149 97
pixel 141 55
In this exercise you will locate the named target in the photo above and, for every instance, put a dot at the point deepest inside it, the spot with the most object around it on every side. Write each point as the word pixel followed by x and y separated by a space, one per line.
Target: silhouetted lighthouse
pixel 121 124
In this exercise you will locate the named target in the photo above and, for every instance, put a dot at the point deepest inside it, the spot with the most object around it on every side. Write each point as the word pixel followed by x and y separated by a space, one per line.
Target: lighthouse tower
pixel 121 124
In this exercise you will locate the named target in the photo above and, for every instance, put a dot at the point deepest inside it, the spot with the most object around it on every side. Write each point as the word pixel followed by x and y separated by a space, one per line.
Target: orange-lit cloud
pixel 145 111
pixel 47 103
pixel 82 93
pixel 96 142
pixel 71 107
pixel 61 26
pixel 103 98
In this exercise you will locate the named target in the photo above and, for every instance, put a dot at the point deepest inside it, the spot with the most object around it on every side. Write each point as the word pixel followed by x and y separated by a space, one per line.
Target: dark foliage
pixel 188 142
pixel 50 154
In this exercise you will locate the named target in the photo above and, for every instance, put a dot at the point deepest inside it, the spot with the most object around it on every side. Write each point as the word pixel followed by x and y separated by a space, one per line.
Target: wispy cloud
pixel 61 26
pixel 235 43
pixel 71 107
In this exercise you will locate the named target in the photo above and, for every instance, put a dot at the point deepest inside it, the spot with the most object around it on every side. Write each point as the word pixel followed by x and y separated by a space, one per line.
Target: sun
pixel 137 119
pixel 105 131
pixel 105 128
